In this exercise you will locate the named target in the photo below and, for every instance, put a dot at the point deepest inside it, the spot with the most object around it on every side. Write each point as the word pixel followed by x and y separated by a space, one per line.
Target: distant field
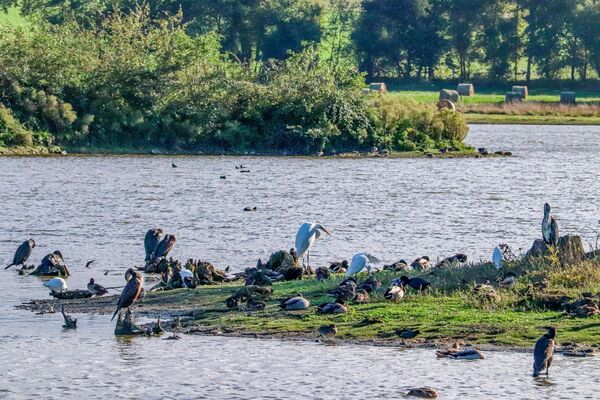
pixel 12 17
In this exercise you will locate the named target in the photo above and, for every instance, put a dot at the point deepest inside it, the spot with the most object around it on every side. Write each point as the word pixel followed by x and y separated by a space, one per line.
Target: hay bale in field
pixel 465 89
pixel 379 87
pixel 567 98
pixel 522 90
pixel 446 104
pixel 512 97
pixel 451 95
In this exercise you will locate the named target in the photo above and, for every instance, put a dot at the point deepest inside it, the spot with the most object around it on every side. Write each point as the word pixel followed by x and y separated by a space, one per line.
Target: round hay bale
pixel 378 87
pixel 522 90
pixel 446 104
pixel 451 95
pixel 512 97
pixel 567 98
pixel 465 89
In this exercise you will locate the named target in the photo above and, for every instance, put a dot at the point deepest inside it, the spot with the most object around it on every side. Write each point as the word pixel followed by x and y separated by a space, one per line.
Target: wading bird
pixel 131 292
pixel 56 285
pixel 22 254
pixel 359 262
pixel 549 227
pixel 544 351
pixel 497 257
pixel 305 237
pixel 164 246
pixel 96 289
pixel 151 240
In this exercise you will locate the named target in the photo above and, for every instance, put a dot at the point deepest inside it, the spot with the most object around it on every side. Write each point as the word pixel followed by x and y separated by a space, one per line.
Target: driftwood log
pixel 70 322
pixel 72 294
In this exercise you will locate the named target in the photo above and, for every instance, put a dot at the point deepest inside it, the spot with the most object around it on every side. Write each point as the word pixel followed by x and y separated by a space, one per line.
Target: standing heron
pixel 549 227
pixel 151 240
pixel 22 253
pixel 543 351
pixel 497 257
pixel 359 262
pixel 164 247
pixel 306 236
pixel 131 292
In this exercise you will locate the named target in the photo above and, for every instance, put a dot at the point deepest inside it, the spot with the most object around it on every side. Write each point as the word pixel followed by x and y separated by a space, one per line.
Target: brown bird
pixel 131 292
pixel 164 246
pixel 22 254
pixel 544 351
pixel 151 240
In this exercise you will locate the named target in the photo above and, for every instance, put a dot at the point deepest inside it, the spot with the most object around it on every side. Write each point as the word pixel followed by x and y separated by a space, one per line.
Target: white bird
pixel 359 262
pixel 497 257
pixel 56 285
pixel 306 236
pixel 186 277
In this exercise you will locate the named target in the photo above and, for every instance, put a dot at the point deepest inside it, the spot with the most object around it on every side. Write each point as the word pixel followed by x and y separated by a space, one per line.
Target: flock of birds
pixel 157 246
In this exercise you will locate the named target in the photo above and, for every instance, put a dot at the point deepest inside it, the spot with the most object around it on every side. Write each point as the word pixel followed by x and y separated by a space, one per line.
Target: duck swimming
pixel 96 289
pixel 549 227
pixel 22 254
pixel 295 303
pixel 423 392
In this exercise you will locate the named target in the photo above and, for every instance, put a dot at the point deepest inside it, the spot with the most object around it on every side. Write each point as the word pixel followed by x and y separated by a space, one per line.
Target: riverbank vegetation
pixel 560 289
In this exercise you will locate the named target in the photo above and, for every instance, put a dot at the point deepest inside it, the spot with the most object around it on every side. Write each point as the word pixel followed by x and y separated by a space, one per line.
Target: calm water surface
pixel 100 207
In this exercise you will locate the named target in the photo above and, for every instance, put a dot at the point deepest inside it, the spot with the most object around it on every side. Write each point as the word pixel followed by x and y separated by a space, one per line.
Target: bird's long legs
pixel 308 258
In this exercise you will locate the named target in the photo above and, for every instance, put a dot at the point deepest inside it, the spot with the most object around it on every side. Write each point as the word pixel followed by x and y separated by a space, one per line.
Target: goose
pixel 295 303
pixel 305 238
pixel 359 262
pixel 22 254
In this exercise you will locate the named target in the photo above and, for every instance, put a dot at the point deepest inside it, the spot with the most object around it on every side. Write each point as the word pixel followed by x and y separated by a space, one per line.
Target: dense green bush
pixel 135 81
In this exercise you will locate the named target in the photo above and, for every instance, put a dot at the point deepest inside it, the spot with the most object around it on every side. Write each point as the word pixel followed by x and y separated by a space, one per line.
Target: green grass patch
pixel 13 17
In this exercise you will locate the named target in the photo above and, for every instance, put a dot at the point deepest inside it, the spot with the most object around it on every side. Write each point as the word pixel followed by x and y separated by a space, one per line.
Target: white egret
pixel 497 257
pixel 56 285
pixel 306 236
pixel 360 261
pixel 549 227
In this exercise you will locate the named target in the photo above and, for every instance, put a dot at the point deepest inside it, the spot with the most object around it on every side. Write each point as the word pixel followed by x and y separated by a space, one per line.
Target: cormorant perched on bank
pixel 543 351
pixel 164 246
pixel 549 227
pixel 22 254
pixel 151 240
pixel 131 292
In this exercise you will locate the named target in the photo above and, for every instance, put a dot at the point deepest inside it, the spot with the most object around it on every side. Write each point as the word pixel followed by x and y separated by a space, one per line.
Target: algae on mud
pixel 450 312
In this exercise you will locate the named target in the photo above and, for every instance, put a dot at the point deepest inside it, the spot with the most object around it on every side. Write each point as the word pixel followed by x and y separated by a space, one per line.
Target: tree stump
pixel 570 249
pixel 126 327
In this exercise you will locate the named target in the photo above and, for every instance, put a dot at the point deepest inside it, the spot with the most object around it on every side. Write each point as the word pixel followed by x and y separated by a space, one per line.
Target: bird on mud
pixel 151 240
pixel 361 261
pixel 95 288
pixel 295 303
pixel 22 254
pixel 544 351
pixel 549 227
pixel 164 247
pixel 497 257
pixel 56 285
pixel 305 238
pixel 419 284
pixel 327 330
pixel 131 292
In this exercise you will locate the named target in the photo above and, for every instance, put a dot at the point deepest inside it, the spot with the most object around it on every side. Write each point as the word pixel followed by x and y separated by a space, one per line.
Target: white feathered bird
pixel 56 285
pixel 497 258
pixel 306 236
pixel 186 276
pixel 361 261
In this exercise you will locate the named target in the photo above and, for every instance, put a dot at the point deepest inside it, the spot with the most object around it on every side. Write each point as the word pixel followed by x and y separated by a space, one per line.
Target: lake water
pixel 100 208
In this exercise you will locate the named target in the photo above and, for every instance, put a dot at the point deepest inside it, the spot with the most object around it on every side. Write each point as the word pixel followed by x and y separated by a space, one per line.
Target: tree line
pixel 407 39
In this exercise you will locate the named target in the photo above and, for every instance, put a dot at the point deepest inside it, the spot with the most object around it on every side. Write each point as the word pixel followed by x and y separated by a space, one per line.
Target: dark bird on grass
pixel 151 240
pixel 87 264
pixel 407 333
pixel 361 296
pixel 544 351
pixel 415 283
pixel 131 292
pixel 421 263
pixel 164 246
pixel 96 289
pixel 22 254
pixel 327 330
pixel 452 261
pixel 332 308
pixel 370 284
pixel 549 227
pixel 337 266
pixel 295 303
pixel 322 274
pixel 394 293
pixel 345 291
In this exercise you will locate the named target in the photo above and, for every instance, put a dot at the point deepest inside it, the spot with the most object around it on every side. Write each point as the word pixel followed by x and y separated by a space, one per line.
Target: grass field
pixel 12 17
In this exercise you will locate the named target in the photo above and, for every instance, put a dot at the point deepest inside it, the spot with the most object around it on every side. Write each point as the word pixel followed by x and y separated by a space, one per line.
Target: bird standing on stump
pixel 22 254
pixel 543 351
pixel 549 227
pixel 131 292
